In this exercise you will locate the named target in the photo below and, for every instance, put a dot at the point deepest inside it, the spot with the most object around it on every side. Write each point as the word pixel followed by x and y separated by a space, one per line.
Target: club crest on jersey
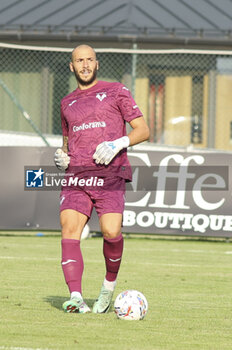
pixel 101 95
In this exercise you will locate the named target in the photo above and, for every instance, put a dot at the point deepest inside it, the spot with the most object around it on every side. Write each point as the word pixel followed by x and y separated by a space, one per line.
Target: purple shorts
pixel 109 199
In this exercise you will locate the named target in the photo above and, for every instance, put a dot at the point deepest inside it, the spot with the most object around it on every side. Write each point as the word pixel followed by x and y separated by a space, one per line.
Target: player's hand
pixel 61 159
pixel 107 150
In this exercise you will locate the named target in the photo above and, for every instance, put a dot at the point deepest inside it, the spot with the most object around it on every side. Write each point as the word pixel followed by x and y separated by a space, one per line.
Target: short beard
pixel 86 82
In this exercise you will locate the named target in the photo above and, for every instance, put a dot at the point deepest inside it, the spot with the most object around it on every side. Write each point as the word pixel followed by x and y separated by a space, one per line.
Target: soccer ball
pixel 131 305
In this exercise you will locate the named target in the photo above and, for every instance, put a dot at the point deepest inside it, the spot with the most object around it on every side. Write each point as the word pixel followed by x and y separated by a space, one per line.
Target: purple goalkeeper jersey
pixel 94 115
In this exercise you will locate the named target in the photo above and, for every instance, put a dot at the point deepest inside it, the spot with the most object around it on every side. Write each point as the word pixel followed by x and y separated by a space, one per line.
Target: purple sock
pixel 112 250
pixel 72 264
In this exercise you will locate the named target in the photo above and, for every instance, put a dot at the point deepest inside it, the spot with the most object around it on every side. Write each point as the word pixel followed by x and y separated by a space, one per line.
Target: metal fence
pixel 185 95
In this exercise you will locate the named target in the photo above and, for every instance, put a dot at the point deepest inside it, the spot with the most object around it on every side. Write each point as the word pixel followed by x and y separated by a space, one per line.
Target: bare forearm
pixel 139 134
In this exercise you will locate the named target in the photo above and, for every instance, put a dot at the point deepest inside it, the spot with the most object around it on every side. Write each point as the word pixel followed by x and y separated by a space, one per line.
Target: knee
pixel 111 224
pixel 72 224
pixel 70 231
pixel 111 232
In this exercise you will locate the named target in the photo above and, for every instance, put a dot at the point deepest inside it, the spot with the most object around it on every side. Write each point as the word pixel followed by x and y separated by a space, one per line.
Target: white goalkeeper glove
pixel 61 159
pixel 107 150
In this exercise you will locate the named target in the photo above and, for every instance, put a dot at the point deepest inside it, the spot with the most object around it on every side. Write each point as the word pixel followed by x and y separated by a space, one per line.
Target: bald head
pixel 83 50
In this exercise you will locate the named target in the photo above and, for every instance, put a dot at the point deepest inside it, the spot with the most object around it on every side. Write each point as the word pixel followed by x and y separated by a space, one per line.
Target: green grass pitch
pixel 188 285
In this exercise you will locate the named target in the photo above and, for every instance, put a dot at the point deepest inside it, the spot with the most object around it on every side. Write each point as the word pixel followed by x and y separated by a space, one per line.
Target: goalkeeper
pixel 93 119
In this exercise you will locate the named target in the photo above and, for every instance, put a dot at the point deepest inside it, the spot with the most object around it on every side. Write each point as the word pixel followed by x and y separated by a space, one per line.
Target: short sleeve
pixel 64 124
pixel 127 105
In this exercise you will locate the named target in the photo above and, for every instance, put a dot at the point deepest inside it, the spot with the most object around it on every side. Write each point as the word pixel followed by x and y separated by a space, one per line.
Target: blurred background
pixel 172 54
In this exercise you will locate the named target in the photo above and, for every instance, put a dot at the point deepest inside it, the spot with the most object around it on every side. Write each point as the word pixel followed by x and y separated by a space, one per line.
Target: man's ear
pixel 97 65
pixel 71 67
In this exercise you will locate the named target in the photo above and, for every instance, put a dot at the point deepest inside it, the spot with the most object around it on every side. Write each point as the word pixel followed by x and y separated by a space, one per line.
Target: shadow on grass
pixel 57 302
